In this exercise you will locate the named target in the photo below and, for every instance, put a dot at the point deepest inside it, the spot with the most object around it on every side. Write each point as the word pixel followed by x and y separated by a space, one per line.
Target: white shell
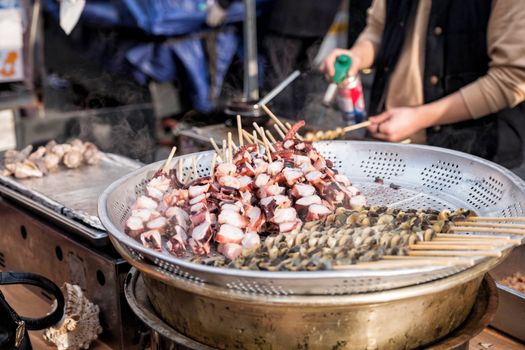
pixel 80 324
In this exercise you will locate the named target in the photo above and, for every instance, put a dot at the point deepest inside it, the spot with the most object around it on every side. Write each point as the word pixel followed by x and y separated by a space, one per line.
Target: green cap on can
pixel 341 66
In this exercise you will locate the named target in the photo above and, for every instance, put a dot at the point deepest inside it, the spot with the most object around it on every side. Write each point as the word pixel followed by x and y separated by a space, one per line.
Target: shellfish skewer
pixel 469 237
pixel 239 130
pixel 356 127
pixel 281 134
pixel 437 259
pixel 405 263
pixel 166 166
pixel 496 219
pixel 488 224
pixel 467 242
pixel 486 229
pixel 490 253
pixel 443 246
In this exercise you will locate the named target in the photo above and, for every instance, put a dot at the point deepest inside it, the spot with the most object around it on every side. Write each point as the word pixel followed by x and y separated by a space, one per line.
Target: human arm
pixel 397 124
pixel 502 86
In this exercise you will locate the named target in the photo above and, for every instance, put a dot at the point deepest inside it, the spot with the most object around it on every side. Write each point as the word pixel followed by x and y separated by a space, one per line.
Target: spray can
pixel 350 100
pixel 348 91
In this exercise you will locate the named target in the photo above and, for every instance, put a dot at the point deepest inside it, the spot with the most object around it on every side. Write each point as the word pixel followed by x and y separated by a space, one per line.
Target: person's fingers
pixel 328 65
pixel 380 118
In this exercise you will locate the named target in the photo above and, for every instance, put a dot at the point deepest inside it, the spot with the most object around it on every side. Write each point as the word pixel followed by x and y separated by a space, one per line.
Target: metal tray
pixel 425 177
pixel 70 196
pixel 511 311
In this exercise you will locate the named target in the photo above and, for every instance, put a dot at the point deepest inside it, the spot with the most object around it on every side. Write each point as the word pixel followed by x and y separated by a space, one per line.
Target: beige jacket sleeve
pixel 504 84
pixel 374 24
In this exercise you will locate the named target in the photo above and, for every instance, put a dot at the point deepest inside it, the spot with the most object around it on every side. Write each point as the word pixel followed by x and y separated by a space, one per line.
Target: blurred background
pixel 137 76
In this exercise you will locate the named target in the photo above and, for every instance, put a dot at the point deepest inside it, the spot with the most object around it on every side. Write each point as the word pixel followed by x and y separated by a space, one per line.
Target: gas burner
pixel 248 110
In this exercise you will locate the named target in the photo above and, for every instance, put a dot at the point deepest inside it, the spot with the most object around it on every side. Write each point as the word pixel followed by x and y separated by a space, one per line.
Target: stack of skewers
pixel 279 205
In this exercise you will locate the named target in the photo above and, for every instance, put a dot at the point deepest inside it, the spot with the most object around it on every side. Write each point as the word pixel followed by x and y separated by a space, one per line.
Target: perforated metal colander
pixel 421 177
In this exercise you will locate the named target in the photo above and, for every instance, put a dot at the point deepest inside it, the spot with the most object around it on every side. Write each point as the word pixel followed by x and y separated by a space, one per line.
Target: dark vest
pixel 455 55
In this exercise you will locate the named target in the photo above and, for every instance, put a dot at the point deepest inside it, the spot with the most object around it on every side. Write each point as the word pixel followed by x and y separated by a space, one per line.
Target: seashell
pixel 312 242
pixel 322 240
pixel 428 235
pixel 395 241
pixel 340 211
pixel 330 218
pixel 80 325
pixel 413 239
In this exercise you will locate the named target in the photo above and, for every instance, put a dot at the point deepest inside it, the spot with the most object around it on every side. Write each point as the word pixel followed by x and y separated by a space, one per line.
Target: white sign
pixel 11 43
pixel 7 130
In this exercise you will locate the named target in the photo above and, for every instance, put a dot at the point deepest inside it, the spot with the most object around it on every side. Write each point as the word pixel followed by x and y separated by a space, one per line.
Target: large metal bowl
pixel 404 318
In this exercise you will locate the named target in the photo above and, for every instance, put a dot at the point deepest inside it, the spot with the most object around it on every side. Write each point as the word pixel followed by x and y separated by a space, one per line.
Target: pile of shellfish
pixel 46 159
pixel 344 237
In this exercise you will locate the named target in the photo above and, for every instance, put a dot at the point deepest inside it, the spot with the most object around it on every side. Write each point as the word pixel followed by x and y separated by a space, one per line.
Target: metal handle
pixel 251 72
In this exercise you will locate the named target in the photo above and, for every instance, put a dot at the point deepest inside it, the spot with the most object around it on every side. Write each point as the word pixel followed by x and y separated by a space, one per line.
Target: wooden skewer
pixel 496 219
pixel 436 259
pixel 382 264
pixel 406 141
pixel 449 247
pixel 267 146
pixel 248 137
pixel 356 126
pixel 194 168
pixel 230 150
pixel 276 120
pixel 239 130
pixel 467 242
pixel 261 133
pixel 179 171
pixel 224 151
pixel 487 224
pixel 166 166
pixel 212 166
pixel 270 136
pixel 278 129
pixel 491 253
pixel 188 175
pixel 215 147
pixel 485 229
pixel 467 236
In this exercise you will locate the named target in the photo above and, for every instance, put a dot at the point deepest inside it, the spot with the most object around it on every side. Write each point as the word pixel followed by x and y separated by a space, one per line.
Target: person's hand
pixel 216 15
pixel 328 65
pixel 397 124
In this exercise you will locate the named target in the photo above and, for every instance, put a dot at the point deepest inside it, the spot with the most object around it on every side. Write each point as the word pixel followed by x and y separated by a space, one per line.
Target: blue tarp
pixel 184 60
